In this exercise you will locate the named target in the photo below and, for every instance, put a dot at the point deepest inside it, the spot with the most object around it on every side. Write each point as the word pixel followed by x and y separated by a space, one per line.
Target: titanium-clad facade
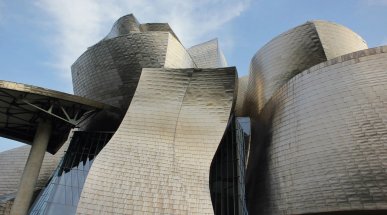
pixel 109 71
pixel 129 24
pixel 292 52
pixel 242 88
pixel 311 118
pixel 318 134
pixel 208 55
pixel 328 144
pixel 192 126
pixel 12 163
pixel 158 161
pixel 338 40
pixel 42 118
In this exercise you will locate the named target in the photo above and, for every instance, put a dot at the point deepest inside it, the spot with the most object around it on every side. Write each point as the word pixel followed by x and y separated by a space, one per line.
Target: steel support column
pixel 32 169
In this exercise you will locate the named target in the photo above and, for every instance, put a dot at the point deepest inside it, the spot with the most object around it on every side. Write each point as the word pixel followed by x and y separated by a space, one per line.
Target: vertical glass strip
pixel 227 172
pixel 63 191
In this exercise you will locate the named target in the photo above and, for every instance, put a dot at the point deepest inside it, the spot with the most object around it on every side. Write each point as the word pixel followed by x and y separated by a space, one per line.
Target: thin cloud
pixel 77 25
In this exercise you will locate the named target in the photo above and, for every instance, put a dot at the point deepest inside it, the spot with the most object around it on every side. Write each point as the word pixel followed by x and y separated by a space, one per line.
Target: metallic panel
pixel 158 27
pixel 129 24
pixel 176 55
pixel 338 40
pixel 328 147
pixel 208 55
pixel 12 164
pixel 242 88
pixel 124 25
pixel 292 52
pixel 158 161
pixel 109 71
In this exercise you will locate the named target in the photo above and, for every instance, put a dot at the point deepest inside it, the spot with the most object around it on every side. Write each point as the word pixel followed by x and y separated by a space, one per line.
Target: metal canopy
pixel 23 106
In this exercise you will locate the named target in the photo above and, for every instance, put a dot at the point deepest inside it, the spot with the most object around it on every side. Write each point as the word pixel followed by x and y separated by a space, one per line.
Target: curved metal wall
pixel 109 71
pixel 12 164
pixel 124 25
pixel 158 27
pixel 129 24
pixel 292 52
pixel 177 56
pixel 338 40
pixel 328 151
pixel 158 161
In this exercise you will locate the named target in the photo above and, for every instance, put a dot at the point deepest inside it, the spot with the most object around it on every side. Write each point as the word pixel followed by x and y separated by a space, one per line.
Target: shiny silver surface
pixel 109 71
pixel 158 161
pixel 12 163
pixel 316 140
pixel 208 55
pixel 338 40
pixel 292 52
pixel 124 25
pixel 129 24
pixel 242 88
pixel 327 149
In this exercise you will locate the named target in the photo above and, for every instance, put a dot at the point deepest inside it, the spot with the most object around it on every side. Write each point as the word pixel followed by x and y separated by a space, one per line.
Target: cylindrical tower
pixel 109 71
pixel 292 52
pixel 327 149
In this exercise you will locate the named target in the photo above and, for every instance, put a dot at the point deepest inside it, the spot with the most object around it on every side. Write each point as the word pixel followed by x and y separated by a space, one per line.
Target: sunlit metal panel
pixel 158 161
pixel 292 52
pixel 327 147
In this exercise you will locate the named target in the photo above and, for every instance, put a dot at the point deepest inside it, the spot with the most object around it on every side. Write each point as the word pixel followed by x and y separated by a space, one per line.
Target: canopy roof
pixel 23 106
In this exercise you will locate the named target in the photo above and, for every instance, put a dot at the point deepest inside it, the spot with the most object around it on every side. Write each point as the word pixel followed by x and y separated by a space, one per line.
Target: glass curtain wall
pixel 62 193
pixel 227 173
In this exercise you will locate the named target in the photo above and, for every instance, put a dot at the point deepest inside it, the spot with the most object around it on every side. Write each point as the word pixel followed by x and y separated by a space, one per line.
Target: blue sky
pixel 39 40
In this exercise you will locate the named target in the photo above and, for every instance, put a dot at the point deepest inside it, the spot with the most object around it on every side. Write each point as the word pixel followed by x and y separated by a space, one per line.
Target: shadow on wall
pixel 257 179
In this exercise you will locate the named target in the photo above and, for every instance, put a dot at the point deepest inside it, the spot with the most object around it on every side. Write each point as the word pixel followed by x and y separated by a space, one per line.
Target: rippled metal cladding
pixel 158 160
pixel 319 124
pixel 317 101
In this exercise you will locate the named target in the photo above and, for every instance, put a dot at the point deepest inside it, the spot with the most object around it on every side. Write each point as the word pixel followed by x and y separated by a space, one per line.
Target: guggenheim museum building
pixel 157 128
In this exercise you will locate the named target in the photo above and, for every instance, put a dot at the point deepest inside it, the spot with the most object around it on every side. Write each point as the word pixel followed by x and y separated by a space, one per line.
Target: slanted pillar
pixel 31 170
